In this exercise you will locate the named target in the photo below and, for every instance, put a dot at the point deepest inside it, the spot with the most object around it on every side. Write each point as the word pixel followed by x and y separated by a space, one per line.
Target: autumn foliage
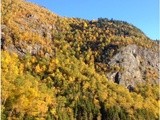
pixel 50 68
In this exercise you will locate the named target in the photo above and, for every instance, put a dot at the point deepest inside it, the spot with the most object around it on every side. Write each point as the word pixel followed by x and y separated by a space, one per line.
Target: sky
pixel 144 14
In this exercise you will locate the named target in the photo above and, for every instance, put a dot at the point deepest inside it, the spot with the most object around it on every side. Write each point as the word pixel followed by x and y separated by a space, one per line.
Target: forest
pixel 52 67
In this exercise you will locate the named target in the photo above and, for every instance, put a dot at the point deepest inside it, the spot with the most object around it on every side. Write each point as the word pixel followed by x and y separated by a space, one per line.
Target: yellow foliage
pixel 38 69
pixel 68 85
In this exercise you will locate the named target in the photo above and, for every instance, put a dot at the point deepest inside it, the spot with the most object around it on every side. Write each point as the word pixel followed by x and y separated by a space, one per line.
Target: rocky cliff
pixel 118 44
pixel 59 68
pixel 137 65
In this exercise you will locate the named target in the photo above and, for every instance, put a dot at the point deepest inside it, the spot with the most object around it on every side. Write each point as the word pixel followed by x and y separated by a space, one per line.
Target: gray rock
pixel 135 64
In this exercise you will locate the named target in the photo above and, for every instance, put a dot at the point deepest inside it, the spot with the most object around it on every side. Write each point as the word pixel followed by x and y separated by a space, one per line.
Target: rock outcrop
pixel 136 65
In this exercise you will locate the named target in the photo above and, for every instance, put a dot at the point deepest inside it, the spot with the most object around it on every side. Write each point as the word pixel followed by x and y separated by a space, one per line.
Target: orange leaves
pixel 86 85
pixel 85 25
pixel 52 65
pixel 38 69
pixel 40 86
pixel 96 102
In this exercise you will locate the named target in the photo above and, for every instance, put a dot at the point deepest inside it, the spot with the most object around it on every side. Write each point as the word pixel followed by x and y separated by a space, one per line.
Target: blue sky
pixel 144 14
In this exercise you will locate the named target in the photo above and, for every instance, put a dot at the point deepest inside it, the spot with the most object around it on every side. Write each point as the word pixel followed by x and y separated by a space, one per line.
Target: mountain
pixel 62 68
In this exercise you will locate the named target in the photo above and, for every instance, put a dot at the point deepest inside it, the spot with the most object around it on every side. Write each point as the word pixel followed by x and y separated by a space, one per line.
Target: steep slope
pixel 27 31
pixel 69 68
pixel 136 65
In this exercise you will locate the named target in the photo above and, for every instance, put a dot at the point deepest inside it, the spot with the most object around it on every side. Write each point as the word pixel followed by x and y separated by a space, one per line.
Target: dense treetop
pixel 52 69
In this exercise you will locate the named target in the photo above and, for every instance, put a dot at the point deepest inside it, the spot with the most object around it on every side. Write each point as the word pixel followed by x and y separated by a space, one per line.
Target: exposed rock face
pixel 136 65
pixel 22 47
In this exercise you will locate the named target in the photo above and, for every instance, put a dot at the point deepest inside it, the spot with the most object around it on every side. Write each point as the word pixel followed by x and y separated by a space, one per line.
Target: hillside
pixel 59 68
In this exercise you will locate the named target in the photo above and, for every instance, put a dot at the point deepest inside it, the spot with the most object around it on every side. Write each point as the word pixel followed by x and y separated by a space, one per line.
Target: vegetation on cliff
pixel 52 67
